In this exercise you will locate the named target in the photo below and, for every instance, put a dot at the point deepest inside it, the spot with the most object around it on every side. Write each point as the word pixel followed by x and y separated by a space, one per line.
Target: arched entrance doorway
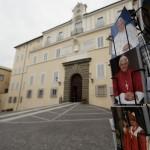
pixel 76 88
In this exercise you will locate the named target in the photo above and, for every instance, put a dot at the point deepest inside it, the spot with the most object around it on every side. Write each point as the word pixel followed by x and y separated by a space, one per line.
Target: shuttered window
pixel 100 71
pixel 100 42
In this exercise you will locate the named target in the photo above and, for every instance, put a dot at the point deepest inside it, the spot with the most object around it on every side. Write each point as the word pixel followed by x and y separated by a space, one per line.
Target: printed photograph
pixel 127 78
pixel 131 128
pixel 124 34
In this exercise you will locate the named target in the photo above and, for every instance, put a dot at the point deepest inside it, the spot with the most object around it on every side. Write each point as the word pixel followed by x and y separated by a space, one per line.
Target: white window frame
pixel 52 92
pixel 57 53
pixel 42 78
pixel 100 42
pixel 104 71
pixel 34 59
pixel 2 77
pixel 45 57
pixel 31 80
pixel 100 22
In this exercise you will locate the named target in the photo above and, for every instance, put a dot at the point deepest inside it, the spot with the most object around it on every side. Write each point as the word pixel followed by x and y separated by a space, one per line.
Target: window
pixel 1 77
pixel 100 42
pixel 60 36
pixel 34 60
pixel 17 85
pixel 10 100
pixel 53 92
pixel 57 53
pixel 100 22
pixel 40 93
pixel 42 78
pixel 15 100
pixel 78 25
pixel 48 40
pixel 6 90
pixel 29 93
pixel 55 77
pixel 45 56
pixel 89 44
pixel 101 91
pixel 100 71
pixel 31 80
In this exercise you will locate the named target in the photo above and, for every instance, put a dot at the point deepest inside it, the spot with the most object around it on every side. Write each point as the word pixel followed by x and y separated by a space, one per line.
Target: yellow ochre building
pixel 67 63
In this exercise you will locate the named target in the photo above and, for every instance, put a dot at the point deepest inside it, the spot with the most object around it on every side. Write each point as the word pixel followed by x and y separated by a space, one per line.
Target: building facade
pixel 69 62
pixel 5 74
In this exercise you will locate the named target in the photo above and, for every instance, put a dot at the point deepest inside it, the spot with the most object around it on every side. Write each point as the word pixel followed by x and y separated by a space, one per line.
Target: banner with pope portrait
pixel 124 34
pixel 131 128
pixel 129 85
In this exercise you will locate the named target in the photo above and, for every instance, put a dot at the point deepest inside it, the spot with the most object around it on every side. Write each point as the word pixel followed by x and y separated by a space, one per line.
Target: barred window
pixel 53 92
pixel 101 91
pixel 29 93
pixel 40 93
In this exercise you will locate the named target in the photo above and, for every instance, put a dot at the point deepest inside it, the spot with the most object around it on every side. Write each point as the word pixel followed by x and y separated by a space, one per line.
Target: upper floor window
pixel 34 60
pixel 78 25
pixel 55 77
pixel 60 36
pixel 1 77
pixel 57 52
pixel 45 56
pixel 42 78
pixel 17 86
pixel 31 80
pixel 100 71
pixel 100 22
pixel 48 40
pixel 100 42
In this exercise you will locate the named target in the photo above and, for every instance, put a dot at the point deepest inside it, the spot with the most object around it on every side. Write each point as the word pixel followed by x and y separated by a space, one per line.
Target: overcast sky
pixel 22 20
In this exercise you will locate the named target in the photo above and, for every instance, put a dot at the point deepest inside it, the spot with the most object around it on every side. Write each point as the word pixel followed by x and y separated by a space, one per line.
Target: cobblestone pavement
pixel 71 127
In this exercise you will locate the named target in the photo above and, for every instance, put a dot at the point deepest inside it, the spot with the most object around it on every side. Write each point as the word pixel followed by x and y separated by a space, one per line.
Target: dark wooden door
pixel 76 88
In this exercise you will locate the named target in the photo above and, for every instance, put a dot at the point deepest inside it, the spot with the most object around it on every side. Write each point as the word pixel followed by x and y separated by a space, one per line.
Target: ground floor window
pixel 40 93
pixel 29 93
pixel 53 92
pixel 101 91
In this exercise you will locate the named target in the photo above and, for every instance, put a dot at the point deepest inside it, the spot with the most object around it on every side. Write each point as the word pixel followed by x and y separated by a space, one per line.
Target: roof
pixel 29 41
pixel 5 68
pixel 69 22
